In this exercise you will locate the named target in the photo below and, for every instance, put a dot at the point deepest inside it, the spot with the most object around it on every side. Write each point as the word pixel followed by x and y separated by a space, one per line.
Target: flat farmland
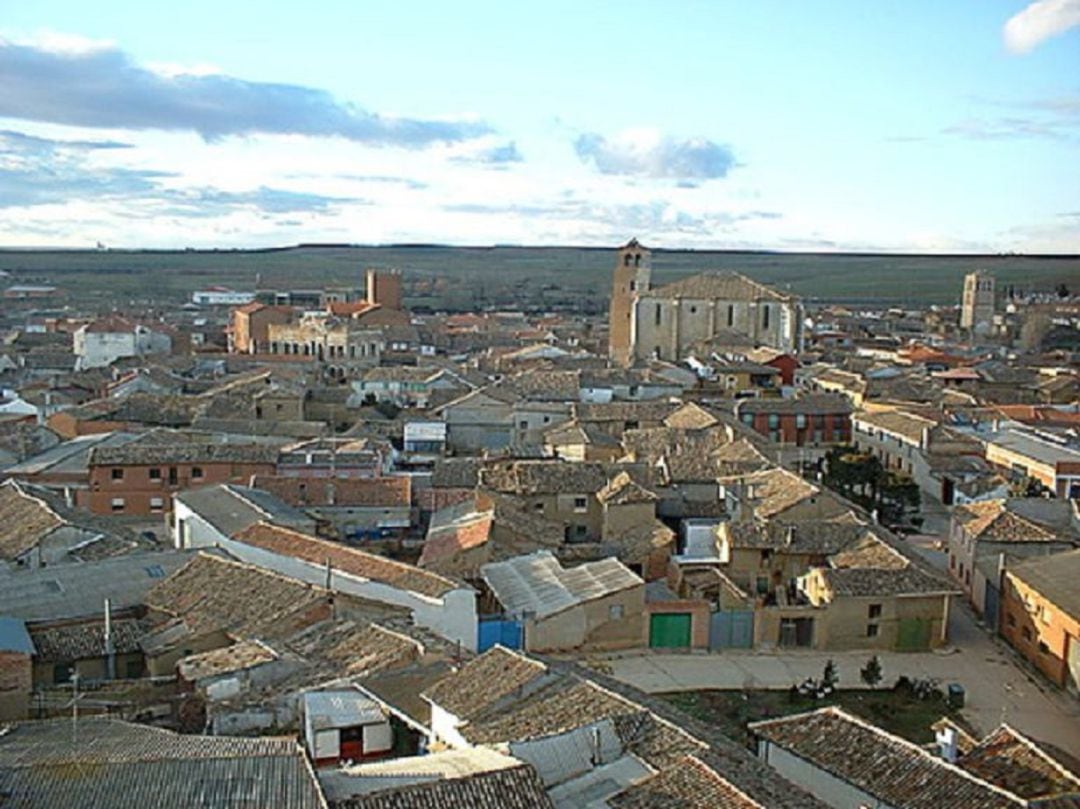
pixel 567 278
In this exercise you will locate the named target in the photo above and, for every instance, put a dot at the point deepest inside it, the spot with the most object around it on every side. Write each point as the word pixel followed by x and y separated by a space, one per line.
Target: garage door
pixel 670 630
pixel 914 635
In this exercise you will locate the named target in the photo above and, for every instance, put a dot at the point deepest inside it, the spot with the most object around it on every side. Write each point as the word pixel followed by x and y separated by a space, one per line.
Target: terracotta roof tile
pixel 887 767
pixel 346 559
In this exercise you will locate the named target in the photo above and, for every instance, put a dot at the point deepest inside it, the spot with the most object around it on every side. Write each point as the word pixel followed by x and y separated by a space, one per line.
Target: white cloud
pixel 1039 22
pixel 648 153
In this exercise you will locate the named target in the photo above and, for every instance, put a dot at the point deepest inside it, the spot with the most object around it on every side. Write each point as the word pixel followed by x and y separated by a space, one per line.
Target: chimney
pixel 946 740
pixel 110 652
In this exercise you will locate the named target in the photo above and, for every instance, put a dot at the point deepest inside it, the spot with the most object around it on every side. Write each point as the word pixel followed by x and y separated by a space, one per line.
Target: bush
pixel 829 678
pixel 871 672
pixel 903 685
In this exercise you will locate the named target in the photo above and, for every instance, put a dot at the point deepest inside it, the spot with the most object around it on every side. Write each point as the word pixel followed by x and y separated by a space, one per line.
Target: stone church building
pixel 668 322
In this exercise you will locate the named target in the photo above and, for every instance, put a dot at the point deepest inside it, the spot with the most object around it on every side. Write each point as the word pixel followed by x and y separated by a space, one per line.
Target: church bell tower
pixel 632 274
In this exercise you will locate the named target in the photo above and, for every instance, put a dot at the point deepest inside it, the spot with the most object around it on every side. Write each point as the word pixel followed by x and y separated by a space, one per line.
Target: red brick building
pixel 1040 615
pixel 818 419
pixel 140 477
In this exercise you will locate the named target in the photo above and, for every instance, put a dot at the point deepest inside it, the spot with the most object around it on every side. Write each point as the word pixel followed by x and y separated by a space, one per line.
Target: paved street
pixel 998 689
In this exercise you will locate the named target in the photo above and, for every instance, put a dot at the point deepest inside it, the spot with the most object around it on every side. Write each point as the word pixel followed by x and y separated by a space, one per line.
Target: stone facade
pixel 668 321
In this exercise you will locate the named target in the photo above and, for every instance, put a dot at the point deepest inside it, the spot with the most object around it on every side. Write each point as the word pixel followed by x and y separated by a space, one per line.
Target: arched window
pixel 637 259
pixel 626 260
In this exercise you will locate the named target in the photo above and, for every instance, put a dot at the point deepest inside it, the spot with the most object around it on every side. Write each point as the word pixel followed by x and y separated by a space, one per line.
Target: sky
pixel 916 126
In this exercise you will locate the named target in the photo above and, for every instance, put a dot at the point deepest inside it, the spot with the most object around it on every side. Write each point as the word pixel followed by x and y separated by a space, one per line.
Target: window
pixel 538 505
pixel 1011 619
pixel 61 673
pixel 117 504
pixel 659 312
pixel 615 612
pixel 874 611
pixel 1026 632
pixel 633 285
pixel 693 310
pixel 871 630
pixel 1043 648
pixel 523 424
pixel 774 421
pixel 731 315
pixel 155 571
pixel 581 531
pixel 117 474
pixel 630 425
pixel 581 504
pixel 800 421
pixel 155 473
pixel 765 316
pixel 156 504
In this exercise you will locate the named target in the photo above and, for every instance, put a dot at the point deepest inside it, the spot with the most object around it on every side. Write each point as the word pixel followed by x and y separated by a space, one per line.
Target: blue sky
pixel 922 126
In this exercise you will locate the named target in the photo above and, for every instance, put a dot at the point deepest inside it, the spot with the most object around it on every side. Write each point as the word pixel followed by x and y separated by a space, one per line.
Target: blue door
pixel 503 632
pixel 732 629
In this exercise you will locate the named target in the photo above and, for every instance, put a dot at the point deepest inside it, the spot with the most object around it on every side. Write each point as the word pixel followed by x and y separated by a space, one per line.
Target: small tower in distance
pixel 633 272
pixel 977 305
pixel 384 288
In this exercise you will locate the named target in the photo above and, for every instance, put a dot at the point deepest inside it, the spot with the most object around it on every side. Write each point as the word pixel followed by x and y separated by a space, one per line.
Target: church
pixel 673 321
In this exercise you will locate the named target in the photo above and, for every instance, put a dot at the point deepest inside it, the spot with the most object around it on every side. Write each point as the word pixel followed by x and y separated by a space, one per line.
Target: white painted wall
pixel 453 616
pixel 444 727
pixel 819 783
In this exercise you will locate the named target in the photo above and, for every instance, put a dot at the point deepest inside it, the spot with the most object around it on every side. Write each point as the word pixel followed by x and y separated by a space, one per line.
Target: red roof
pixel 343 309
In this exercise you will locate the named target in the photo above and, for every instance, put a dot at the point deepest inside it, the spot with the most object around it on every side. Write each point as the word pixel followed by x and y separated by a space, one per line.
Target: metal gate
pixel 731 629
pixel 670 630
pixel 503 632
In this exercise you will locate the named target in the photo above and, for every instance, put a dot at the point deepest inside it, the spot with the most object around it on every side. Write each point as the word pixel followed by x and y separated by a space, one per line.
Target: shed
pixel 344 726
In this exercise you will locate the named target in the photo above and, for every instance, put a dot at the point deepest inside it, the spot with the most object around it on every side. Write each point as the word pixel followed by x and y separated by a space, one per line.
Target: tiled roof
pixel 155 448
pixel 688 784
pixel 457 528
pixel 110 764
pixel 1014 762
pixel 509 788
pixel 456 473
pixel 622 490
pixel 691 416
pixel 573 703
pixel 243 655
pixel 728 286
pixel 211 594
pixel 85 639
pixel 907 425
pixel 887 767
pixel 383 492
pixel 346 559
pixel 992 520
pixel 807 404
pixel 24 521
pixel 354 649
pixel 776 490
pixel 544 477
pixel 483 681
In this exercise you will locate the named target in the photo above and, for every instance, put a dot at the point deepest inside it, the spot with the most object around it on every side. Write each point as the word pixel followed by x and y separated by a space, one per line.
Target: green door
pixel 914 635
pixel 669 630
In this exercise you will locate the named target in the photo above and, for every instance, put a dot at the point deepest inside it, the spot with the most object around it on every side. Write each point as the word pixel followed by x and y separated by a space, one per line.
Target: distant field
pixel 564 278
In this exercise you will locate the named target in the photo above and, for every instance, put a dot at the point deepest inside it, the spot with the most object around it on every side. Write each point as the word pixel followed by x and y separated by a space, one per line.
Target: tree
pixel 871 672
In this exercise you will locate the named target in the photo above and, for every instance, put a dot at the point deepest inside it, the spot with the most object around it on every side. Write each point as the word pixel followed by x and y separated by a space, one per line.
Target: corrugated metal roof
pixel 78 589
pixel 341 709
pixel 539 584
